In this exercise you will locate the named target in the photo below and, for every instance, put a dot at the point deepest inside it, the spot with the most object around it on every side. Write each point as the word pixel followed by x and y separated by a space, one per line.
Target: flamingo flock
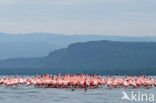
pixel 79 81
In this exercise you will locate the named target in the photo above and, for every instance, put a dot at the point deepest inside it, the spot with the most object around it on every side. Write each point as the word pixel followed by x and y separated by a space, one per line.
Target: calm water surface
pixel 52 95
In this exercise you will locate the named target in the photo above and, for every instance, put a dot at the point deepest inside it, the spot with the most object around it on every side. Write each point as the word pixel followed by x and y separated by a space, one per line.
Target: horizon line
pixel 76 34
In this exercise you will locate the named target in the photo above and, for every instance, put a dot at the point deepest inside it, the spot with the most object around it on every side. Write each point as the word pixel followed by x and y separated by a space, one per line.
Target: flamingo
pixel 79 81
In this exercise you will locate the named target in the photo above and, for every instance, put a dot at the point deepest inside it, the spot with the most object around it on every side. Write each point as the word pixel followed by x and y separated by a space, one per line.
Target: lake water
pixel 52 95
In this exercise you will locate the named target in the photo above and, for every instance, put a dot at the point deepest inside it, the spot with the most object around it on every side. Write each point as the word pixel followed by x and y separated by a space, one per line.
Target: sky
pixel 103 17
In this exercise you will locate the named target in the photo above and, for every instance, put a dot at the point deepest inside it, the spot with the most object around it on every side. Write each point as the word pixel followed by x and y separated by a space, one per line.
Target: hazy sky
pixel 107 17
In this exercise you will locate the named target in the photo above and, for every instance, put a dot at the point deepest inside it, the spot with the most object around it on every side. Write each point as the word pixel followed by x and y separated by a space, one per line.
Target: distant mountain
pixel 40 44
pixel 104 57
